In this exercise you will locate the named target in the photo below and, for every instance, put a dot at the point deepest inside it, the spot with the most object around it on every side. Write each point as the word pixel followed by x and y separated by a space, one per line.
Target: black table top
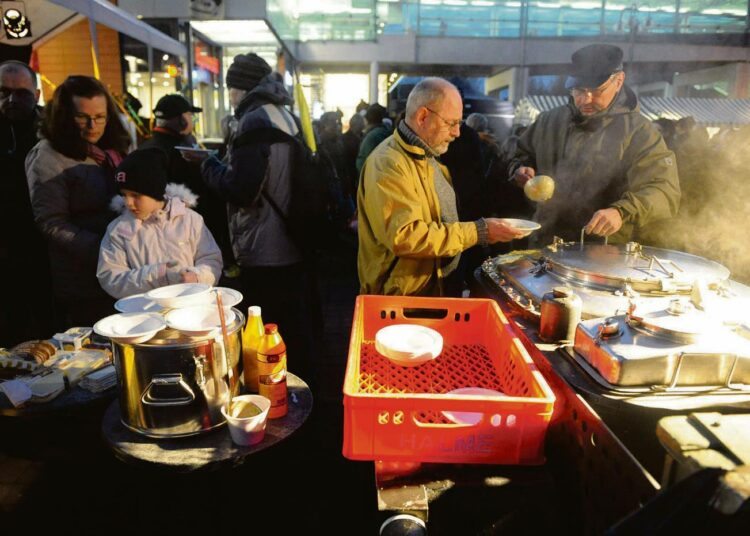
pixel 206 451
pixel 69 401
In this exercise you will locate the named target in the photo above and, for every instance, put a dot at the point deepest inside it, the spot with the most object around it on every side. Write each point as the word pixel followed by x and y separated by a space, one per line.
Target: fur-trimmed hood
pixel 173 190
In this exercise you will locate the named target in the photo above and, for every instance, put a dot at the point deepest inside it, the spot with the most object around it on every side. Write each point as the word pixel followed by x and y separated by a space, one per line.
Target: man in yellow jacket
pixel 410 239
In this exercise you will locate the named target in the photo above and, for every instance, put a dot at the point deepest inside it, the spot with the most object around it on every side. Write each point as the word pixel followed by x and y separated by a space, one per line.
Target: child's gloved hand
pixel 189 276
pixel 174 272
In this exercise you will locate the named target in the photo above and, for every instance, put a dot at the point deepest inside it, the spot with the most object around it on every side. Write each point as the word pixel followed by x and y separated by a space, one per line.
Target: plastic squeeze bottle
pixel 272 371
pixel 251 337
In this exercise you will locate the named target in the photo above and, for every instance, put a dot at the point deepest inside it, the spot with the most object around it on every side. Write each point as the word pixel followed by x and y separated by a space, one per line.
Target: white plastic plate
pixel 522 225
pixel 198 320
pixel 408 345
pixel 469 417
pixel 229 296
pixel 180 295
pixel 137 303
pixel 130 328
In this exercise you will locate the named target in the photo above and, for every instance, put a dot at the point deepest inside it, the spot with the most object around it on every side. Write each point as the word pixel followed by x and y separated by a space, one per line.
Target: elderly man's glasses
pixel 86 120
pixel 450 124
pixel 578 92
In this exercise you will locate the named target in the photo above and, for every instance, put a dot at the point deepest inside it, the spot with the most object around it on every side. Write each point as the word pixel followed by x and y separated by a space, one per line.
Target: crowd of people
pixel 424 193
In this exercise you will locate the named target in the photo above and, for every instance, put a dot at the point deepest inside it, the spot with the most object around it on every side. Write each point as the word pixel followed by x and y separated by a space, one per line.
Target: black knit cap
pixel 593 65
pixel 246 71
pixel 144 171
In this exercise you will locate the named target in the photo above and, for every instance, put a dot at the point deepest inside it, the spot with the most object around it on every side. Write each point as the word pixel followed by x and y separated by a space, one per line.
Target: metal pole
pixel 374 72
pixel 521 79
pixel 189 60
pixel 150 54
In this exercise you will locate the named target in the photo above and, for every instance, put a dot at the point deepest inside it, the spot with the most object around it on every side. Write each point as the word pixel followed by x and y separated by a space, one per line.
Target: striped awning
pixel 706 112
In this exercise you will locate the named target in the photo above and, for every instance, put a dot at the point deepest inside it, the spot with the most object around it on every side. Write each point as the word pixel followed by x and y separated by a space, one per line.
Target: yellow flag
pixel 304 116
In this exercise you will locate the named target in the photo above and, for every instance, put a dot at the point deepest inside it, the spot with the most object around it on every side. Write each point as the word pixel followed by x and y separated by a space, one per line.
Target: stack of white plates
pixel 100 380
pixel 408 345
pixel 140 303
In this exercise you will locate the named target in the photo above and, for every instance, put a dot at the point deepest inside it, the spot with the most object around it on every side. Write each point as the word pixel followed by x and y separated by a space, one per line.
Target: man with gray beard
pixel 410 239
pixel 612 171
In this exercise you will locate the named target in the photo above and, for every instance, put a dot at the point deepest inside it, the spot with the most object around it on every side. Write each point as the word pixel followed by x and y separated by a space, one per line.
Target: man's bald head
pixel 434 111
pixel 18 90
pixel 19 69
pixel 429 93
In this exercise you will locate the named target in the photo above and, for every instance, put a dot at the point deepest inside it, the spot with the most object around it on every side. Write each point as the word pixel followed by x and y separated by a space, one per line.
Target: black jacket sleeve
pixel 239 181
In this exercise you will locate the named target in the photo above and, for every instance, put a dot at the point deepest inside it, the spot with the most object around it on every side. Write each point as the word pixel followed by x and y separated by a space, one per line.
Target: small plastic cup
pixel 246 416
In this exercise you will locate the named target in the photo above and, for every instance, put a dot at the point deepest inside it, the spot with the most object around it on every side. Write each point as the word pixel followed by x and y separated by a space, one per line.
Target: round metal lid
pixel 681 321
pixel 644 268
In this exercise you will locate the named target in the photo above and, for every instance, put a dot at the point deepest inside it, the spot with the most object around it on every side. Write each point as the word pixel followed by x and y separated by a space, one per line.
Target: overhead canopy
pixel 706 112
pixel 113 17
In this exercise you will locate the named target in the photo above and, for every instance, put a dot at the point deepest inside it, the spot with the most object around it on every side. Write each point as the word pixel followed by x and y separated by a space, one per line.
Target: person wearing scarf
pixel 70 174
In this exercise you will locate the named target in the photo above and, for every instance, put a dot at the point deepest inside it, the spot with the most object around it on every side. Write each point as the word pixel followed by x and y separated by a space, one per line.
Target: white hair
pixel 429 93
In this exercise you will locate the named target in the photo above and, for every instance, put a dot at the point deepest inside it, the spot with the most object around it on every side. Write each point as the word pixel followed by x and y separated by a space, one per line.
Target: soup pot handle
pixel 168 381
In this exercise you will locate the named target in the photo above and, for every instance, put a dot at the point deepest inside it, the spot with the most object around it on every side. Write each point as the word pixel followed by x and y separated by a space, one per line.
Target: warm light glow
pixel 235 32
pixel 344 91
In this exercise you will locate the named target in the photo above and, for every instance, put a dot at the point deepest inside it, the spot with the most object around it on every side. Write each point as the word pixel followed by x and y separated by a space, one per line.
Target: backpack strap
pixel 268 135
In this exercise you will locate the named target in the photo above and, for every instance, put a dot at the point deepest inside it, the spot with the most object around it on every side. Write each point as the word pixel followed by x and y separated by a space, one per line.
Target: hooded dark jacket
pixel 16 140
pixel 259 235
pixel 615 158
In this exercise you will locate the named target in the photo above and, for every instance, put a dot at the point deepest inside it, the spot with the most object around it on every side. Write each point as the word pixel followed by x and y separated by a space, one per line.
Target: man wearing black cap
pixel 613 172
pixel 255 181
pixel 173 128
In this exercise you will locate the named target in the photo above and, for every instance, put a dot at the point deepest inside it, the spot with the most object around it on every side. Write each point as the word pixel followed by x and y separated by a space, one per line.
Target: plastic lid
pixel 271 328
pixel 253 310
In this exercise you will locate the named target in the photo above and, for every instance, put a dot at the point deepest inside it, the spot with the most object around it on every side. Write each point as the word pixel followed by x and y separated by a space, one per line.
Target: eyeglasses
pixel 450 124
pixel 595 93
pixel 86 120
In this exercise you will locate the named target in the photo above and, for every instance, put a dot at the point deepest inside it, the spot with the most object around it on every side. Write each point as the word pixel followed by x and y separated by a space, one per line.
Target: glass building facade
pixel 363 20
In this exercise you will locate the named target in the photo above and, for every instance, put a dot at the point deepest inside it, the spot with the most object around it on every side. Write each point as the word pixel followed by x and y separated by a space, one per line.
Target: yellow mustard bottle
pixel 272 371
pixel 251 336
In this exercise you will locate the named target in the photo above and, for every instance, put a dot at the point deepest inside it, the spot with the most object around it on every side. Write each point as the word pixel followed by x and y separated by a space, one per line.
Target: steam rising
pixel 714 216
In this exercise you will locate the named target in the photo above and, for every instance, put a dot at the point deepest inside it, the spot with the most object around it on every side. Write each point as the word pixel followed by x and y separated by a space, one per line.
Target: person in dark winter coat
pixel 174 128
pixel 71 181
pixel 25 312
pixel 612 171
pixel 273 272
pixel 375 133
pixel 351 140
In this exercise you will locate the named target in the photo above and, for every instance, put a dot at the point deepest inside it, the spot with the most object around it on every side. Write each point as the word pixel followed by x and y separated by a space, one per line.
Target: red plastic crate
pixel 396 413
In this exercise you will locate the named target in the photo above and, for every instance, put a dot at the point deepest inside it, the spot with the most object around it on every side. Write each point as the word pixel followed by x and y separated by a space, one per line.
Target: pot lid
pixel 643 268
pixel 681 322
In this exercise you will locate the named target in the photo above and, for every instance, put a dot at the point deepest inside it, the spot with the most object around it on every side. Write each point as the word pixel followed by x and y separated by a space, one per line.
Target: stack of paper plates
pixel 408 345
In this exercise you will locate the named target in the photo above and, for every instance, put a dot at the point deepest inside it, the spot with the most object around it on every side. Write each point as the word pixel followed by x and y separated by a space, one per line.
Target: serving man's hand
pixel 523 175
pixel 500 231
pixel 604 222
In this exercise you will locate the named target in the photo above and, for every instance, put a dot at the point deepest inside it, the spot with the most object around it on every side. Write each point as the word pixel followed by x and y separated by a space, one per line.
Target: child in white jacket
pixel 158 240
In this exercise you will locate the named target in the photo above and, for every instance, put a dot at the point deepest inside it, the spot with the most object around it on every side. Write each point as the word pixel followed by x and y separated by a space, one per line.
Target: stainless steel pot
pixel 174 385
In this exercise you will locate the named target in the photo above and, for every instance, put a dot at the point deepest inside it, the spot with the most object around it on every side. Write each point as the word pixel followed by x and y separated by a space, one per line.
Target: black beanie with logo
pixel 144 171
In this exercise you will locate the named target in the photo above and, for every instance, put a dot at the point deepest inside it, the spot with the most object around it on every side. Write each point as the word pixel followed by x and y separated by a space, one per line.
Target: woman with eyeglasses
pixel 71 182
